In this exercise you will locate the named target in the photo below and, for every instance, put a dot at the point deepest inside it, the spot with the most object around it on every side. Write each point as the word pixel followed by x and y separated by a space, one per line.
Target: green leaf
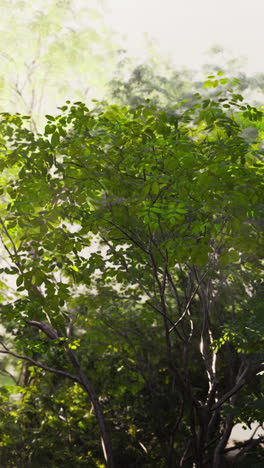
pixel 55 139
pixel 49 129
pixel 155 188
pixel 19 280
pixel 228 257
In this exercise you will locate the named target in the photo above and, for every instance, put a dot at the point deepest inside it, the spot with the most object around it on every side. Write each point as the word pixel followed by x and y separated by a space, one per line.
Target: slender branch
pixel 188 303
pixel 11 240
pixel 174 290
pixel 167 318
pixel 241 381
pixel 8 374
pixel 39 364
pixel 128 236
pixel 245 447
pixel 152 300
pixel 161 287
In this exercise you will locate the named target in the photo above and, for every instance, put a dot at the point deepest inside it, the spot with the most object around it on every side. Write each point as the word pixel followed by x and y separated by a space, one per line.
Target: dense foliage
pixel 133 239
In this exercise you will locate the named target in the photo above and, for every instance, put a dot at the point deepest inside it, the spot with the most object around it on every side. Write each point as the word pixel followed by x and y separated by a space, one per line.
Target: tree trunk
pixel 105 437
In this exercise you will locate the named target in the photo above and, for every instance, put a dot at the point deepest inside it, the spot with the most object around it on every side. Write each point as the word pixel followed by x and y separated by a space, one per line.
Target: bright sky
pixel 185 29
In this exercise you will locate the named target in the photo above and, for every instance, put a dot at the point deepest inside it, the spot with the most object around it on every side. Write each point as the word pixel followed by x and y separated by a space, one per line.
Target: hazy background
pixel 185 30
pixel 54 50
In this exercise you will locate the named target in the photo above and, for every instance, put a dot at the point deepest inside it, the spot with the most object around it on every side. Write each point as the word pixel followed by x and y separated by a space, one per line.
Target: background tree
pixel 66 45
pixel 166 86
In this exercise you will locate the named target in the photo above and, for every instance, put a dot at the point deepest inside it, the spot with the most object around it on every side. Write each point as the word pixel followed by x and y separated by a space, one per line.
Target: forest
pixel 131 229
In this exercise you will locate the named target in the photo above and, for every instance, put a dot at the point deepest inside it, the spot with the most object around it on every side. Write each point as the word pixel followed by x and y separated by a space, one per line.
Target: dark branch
pixel 39 364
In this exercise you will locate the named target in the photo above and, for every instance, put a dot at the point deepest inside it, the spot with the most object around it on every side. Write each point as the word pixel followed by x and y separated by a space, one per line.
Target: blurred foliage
pixel 50 51
pixel 164 85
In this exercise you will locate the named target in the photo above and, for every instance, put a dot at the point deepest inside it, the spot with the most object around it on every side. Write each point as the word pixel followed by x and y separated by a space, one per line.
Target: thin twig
pixel 38 364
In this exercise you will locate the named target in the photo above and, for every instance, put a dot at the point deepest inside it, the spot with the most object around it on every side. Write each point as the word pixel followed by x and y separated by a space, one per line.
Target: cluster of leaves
pixel 133 237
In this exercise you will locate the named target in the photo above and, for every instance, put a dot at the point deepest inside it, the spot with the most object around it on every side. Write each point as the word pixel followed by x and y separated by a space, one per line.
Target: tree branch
pixel 39 364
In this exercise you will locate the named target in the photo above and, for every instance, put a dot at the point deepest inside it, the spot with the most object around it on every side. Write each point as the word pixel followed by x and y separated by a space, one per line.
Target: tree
pixel 134 237
pixel 166 87
pixel 65 47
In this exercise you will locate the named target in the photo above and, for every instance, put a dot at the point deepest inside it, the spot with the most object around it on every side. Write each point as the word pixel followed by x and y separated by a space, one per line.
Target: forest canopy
pixel 133 284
